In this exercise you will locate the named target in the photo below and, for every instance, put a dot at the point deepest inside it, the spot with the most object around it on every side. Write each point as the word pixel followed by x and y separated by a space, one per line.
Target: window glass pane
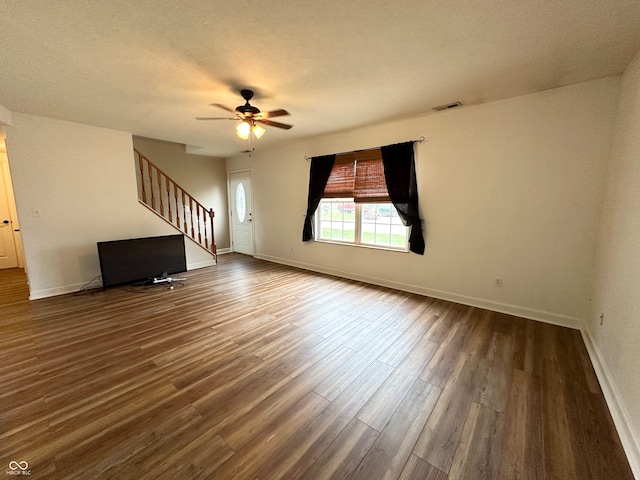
pixel 349 232
pixel 240 203
pixel 336 231
pixel 336 211
pixel 382 237
pixel 325 211
pixel 349 210
pixel 369 212
pixel 384 213
pixel 325 230
pixel 399 236
pixel 368 232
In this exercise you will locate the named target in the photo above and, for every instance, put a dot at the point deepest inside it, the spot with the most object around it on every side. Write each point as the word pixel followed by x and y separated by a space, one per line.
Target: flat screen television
pixel 136 259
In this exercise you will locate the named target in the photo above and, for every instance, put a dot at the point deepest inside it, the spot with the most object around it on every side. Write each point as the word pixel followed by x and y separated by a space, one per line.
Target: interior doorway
pixel 13 278
pixel 8 244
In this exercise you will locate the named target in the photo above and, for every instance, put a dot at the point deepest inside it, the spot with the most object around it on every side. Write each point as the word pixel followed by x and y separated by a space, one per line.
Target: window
pixel 381 226
pixel 355 207
pixel 365 197
pixel 241 203
pixel 342 220
pixel 337 220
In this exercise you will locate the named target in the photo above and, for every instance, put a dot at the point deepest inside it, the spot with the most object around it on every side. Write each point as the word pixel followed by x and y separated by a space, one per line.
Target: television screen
pixel 126 261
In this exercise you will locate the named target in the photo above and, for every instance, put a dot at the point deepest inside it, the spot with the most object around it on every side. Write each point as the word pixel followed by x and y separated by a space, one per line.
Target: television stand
pixel 168 280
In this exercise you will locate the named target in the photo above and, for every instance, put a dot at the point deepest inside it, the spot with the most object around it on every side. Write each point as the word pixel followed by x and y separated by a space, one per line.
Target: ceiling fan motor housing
pixel 247 109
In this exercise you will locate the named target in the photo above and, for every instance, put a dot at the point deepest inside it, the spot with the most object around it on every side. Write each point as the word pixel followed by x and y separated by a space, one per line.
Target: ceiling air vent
pixel 448 106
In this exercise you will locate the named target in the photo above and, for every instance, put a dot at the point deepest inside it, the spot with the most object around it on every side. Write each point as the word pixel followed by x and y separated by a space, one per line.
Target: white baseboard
pixel 630 443
pixel 52 292
pixel 196 265
pixel 516 310
pixel 222 251
pixel 64 289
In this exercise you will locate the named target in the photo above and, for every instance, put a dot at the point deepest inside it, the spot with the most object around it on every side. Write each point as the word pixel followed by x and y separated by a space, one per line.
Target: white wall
pixel 5 117
pixel 615 345
pixel 509 189
pixel 74 186
pixel 203 177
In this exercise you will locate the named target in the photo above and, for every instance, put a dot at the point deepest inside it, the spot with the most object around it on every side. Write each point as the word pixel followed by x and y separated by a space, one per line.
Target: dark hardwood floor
pixel 253 370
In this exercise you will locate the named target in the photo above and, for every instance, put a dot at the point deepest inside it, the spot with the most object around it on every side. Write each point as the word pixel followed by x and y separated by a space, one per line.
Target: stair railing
pixel 163 196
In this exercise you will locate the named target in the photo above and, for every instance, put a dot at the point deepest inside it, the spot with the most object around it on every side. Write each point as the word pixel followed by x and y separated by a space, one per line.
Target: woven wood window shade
pixel 370 185
pixel 358 175
pixel 342 178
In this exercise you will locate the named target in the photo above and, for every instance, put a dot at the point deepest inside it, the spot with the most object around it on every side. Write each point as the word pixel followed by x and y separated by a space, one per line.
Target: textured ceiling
pixel 151 66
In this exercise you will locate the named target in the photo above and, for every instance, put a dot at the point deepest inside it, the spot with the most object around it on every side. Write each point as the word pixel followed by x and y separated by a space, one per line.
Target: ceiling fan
pixel 250 117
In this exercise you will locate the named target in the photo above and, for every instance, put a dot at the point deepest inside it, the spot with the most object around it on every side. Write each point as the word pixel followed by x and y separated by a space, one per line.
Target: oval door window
pixel 241 203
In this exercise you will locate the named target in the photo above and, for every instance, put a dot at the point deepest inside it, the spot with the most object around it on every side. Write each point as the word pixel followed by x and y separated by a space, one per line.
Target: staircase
pixel 164 197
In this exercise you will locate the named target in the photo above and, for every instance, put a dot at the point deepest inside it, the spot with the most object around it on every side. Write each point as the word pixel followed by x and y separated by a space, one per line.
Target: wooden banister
pixel 157 190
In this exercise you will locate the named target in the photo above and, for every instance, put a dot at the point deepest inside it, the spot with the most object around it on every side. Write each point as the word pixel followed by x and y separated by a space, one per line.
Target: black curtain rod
pixel 420 140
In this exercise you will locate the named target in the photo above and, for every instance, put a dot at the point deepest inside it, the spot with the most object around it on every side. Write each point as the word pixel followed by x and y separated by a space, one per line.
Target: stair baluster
pixel 175 193
pixel 160 193
pixel 153 198
pixel 168 182
pixel 143 192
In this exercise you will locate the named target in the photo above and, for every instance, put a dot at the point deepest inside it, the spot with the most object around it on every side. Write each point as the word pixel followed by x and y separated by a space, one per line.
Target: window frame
pixel 357 242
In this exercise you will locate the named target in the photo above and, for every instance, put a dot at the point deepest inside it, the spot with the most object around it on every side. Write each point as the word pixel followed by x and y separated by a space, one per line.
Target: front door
pixel 241 211
pixel 8 253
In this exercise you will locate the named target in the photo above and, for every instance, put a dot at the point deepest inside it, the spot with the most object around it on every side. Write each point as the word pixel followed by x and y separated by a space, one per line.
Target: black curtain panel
pixel 400 175
pixel 318 175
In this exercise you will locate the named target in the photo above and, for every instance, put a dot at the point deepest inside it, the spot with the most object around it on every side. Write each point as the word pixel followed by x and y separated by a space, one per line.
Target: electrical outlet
pixel 498 283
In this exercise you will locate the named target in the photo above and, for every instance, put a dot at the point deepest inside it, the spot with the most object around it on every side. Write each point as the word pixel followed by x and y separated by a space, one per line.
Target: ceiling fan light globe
pixel 243 130
pixel 258 131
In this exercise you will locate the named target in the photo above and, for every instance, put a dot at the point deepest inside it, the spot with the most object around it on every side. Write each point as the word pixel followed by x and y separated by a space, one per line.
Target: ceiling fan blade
pixel 273 113
pixel 274 124
pixel 222 107
pixel 216 118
